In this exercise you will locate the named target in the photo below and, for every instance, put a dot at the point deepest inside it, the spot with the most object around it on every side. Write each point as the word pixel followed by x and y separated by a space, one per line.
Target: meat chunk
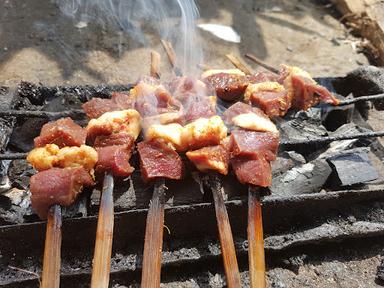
pixel 248 117
pixel 228 84
pixel 158 160
pixel 121 138
pixel 170 133
pixel 114 158
pixel 43 158
pixel 183 88
pixel 199 107
pixel 63 132
pixel 254 144
pixel 114 152
pixel 57 186
pixel 127 121
pixel 152 98
pixel 124 100
pixel 303 91
pixel 83 156
pixel 260 77
pixel 213 158
pixel 96 107
pixel 253 171
pixel 203 132
pixel 271 97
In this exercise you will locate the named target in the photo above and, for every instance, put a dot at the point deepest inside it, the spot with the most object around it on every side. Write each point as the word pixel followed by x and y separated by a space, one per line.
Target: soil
pixel 39 44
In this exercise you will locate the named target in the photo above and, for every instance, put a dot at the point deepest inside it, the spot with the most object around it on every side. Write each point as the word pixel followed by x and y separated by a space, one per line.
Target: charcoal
pixel 302 128
pixel 306 178
pixel 19 173
pixel 338 146
pixel 352 167
pixel 15 205
pixel 22 136
pixel 285 161
pixel 335 116
pixel 366 80
pixel 63 101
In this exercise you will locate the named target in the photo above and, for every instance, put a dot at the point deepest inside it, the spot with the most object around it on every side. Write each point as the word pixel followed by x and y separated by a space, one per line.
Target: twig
pixel 153 243
pixel 52 249
pixel 104 236
pixel 255 240
pixel 225 234
pixel 239 64
pixel 261 63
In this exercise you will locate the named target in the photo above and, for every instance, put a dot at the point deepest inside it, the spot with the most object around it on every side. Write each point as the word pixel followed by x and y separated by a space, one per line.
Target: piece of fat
pixel 254 122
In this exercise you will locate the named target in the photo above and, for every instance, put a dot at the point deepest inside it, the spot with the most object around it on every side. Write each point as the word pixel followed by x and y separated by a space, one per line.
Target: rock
pixel 306 178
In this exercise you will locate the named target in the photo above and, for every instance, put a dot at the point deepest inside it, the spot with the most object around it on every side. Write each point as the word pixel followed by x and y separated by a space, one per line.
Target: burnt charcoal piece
pixel 22 136
pixel 366 80
pixel 19 172
pixel 286 161
pixel 352 167
pixel 306 178
pixel 336 116
pixel 302 128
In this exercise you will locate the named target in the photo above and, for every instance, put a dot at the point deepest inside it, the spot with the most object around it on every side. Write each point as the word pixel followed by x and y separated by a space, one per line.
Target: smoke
pixel 172 20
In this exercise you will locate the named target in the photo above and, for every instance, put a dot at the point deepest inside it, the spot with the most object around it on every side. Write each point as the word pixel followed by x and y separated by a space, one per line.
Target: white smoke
pixel 172 20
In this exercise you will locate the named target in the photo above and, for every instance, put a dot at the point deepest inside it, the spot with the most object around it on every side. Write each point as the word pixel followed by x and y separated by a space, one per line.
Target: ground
pixel 39 44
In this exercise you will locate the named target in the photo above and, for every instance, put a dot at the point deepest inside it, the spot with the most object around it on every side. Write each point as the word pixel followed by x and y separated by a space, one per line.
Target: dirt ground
pixel 39 44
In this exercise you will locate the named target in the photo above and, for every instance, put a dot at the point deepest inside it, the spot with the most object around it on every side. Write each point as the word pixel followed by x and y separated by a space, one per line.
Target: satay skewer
pixel 225 233
pixel 52 249
pixel 104 236
pixel 153 242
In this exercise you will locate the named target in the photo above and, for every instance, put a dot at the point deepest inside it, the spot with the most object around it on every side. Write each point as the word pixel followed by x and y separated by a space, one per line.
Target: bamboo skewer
pixel 155 64
pixel 171 56
pixel 239 64
pixel 255 240
pixel 104 236
pixel 154 229
pixel 153 243
pixel 225 234
pixel 262 64
pixel 52 249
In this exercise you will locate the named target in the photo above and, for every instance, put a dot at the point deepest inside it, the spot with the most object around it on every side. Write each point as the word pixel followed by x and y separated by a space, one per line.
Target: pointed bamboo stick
pixel 104 236
pixel 171 56
pixel 155 64
pixel 52 249
pixel 255 240
pixel 261 63
pixel 239 64
pixel 225 234
pixel 153 243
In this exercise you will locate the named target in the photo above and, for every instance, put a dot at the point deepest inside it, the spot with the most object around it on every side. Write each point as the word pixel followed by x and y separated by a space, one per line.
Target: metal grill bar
pixel 44 114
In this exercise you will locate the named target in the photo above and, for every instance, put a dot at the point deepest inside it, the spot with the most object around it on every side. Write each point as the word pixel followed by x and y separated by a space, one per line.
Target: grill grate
pixel 191 248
